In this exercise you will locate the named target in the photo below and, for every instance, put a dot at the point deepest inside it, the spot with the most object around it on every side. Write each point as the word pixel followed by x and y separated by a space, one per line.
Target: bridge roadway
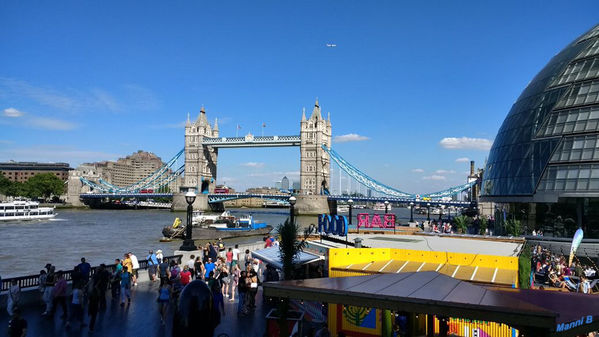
pixel 221 197
pixel 140 318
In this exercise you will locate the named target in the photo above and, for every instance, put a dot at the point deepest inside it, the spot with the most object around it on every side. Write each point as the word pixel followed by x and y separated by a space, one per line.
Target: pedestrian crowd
pixel 229 273
pixel 552 270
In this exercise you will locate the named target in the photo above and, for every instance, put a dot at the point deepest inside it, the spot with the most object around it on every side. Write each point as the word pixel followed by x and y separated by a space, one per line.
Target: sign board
pixel 332 225
pixel 364 220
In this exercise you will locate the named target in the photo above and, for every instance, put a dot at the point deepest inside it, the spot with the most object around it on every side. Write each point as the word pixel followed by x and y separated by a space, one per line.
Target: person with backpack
pixel 152 265
pixel 48 290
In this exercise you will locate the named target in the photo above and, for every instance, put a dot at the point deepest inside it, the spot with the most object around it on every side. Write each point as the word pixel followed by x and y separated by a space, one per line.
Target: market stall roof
pixel 500 276
pixel 272 256
pixel 438 294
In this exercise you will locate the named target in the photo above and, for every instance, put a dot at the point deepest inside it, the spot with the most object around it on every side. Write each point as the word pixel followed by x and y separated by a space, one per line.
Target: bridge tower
pixel 200 161
pixel 315 163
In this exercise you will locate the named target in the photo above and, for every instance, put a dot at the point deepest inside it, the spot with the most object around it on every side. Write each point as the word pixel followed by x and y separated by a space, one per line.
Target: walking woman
pixel 235 275
pixel 164 297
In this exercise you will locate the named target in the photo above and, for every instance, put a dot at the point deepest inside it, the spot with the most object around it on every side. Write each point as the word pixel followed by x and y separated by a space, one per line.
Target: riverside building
pixel 22 171
pixel 543 168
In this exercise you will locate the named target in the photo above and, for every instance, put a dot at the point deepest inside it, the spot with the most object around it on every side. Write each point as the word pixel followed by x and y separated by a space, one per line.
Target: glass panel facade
pixel 580 94
pixel 581 148
pixel 580 70
pixel 577 120
pixel 560 102
pixel 592 50
pixel 570 178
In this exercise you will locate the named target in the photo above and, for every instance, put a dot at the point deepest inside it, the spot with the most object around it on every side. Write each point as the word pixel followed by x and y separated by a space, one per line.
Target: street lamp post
pixel 428 211
pixel 188 244
pixel 387 211
pixel 411 212
pixel 351 203
pixel 292 201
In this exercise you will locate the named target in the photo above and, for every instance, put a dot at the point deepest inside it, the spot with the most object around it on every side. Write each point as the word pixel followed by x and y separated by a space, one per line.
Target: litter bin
pixel 358 242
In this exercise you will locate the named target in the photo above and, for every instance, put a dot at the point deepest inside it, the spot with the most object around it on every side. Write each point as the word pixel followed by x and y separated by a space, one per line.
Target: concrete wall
pixel 311 205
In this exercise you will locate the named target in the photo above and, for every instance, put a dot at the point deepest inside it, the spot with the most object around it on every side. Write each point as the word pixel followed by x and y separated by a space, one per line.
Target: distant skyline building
pixel 296 185
pixel 22 171
pixel 278 185
pixel 285 183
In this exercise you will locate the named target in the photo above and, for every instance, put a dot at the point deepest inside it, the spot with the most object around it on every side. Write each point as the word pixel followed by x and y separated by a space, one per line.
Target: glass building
pixel 543 168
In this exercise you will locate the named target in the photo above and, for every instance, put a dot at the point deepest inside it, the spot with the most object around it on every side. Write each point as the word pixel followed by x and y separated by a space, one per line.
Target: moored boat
pixel 226 227
pixel 19 210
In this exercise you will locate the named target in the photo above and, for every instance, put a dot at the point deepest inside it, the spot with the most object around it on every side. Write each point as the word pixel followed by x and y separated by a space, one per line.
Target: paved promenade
pixel 140 318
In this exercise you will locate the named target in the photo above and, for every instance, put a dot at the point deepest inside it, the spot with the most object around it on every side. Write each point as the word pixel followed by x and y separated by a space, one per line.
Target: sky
pixel 415 89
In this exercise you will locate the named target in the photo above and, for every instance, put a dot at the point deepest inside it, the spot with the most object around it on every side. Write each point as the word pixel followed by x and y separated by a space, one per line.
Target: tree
pixel 483 224
pixel 44 185
pixel 289 247
pixel 524 261
pixel 4 184
pixel 461 223
pixel 513 227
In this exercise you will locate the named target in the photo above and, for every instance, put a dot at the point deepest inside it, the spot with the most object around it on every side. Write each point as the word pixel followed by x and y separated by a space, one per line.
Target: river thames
pixel 103 235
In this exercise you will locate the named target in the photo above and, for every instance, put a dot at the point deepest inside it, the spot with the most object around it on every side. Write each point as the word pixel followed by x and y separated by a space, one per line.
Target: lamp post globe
pixel 386 206
pixel 188 244
pixel 292 201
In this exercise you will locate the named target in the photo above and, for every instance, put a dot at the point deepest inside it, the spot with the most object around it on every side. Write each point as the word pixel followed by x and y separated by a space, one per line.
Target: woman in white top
pixel 14 296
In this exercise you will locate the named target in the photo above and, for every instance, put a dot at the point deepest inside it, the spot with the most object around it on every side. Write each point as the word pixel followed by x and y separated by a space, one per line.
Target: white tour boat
pixel 24 210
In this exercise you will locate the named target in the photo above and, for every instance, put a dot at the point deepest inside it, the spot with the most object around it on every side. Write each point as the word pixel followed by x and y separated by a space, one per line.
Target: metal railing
pixel 32 281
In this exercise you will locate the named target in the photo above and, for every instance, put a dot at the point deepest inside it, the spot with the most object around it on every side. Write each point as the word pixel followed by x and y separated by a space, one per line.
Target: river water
pixel 103 235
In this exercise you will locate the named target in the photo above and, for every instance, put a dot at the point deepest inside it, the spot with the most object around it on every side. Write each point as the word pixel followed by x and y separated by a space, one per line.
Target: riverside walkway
pixel 140 318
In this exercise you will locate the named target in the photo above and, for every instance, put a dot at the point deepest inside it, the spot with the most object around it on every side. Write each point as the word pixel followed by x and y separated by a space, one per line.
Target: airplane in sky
pixel 331 45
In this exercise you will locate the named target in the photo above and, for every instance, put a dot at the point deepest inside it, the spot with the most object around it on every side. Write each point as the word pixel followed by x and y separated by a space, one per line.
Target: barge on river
pixel 227 227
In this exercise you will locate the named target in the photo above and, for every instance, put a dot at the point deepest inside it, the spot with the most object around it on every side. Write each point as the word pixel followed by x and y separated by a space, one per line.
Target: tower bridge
pixel 203 143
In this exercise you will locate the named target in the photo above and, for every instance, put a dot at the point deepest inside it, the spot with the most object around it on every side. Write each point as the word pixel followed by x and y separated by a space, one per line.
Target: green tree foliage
pixel 513 227
pixel 44 185
pixel 290 245
pixel 483 224
pixel 462 222
pixel 524 261
pixel 4 184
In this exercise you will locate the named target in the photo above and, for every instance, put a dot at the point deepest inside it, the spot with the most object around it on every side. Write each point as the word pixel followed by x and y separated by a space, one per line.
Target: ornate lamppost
pixel 350 202
pixel 428 211
pixel 292 201
pixel 188 244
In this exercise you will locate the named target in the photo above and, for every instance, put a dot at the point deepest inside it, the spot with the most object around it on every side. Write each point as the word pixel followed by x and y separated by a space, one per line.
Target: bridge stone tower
pixel 200 161
pixel 315 163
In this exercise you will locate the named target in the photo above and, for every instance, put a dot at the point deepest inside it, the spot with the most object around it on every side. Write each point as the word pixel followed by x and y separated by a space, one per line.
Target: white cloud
pixel 253 164
pixel 350 137
pixel 462 160
pixel 50 124
pixel 466 143
pixel 12 112
pixel 434 177
pixel 418 170
pixel 444 171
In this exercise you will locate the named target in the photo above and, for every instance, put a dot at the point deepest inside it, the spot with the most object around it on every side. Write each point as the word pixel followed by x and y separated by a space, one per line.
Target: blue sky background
pixel 84 81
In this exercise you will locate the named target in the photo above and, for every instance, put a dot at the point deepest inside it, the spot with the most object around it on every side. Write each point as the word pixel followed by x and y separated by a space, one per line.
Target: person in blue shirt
pixel 209 266
pixel 152 265
pixel 125 286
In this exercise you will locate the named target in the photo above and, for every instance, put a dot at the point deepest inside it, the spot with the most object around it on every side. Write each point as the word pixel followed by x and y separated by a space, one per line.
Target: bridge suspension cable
pixel 377 186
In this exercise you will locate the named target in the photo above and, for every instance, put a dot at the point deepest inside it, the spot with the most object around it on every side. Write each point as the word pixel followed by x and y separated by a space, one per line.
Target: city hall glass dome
pixel 548 145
